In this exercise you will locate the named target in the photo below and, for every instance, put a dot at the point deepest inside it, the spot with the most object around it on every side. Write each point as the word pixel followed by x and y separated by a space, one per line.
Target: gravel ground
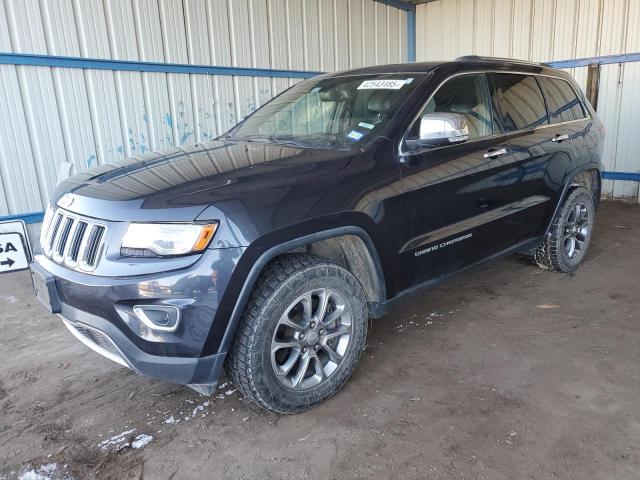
pixel 505 372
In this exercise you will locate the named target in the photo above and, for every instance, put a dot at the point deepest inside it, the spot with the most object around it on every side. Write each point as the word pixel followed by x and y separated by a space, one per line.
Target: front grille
pixel 74 241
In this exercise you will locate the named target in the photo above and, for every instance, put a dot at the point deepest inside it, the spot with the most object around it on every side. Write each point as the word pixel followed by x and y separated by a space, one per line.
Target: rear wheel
pixel 569 237
pixel 301 334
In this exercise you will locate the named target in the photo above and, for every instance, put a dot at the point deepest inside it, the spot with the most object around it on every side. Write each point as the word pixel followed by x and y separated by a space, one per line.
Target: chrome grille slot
pixel 93 244
pixel 76 242
pixel 61 242
pixel 74 245
pixel 51 239
pixel 46 226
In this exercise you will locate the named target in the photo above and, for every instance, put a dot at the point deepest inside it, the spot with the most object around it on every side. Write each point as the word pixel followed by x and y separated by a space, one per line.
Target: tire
pixel 282 311
pixel 566 244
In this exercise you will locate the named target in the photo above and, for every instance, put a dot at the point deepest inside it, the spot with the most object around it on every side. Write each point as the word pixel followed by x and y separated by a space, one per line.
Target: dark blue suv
pixel 267 250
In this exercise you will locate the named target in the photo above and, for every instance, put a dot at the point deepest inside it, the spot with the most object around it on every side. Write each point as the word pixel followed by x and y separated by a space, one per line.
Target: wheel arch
pixel 350 251
pixel 359 255
pixel 591 180
pixel 587 176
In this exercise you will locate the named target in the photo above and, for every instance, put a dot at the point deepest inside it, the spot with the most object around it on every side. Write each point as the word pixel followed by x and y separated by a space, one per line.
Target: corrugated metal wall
pixel 546 30
pixel 59 121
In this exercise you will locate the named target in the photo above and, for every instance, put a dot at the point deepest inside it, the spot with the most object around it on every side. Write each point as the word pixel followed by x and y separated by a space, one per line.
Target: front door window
pixel 466 95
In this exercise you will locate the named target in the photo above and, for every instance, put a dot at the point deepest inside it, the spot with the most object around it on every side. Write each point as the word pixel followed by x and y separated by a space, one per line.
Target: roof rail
pixel 479 58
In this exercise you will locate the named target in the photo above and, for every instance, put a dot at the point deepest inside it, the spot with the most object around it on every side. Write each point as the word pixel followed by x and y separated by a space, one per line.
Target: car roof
pixel 469 61
pixel 418 67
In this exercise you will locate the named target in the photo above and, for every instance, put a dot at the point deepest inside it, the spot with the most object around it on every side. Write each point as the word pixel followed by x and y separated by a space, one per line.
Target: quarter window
pixel 562 101
pixel 521 102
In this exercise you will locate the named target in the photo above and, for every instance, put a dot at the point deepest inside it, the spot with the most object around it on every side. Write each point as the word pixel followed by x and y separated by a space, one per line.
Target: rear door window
pixel 562 101
pixel 520 101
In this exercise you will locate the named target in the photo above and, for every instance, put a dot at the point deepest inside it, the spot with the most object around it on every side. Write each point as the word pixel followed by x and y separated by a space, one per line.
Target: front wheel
pixel 301 334
pixel 569 237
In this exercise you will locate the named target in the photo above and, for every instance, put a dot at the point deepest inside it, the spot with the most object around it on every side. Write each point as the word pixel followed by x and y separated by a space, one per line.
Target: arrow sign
pixel 8 262
pixel 13 254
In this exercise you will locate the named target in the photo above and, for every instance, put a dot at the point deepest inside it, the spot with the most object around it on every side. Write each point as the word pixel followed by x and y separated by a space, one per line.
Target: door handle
pixel 495 153
pixel 560 138
pixel 484 203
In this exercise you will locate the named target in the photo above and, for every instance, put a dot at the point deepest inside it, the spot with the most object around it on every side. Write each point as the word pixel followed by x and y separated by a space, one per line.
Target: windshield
pixel 336 112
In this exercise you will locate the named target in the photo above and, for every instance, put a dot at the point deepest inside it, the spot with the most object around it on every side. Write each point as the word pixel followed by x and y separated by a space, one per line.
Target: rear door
pixel 569 125
pixel 528 185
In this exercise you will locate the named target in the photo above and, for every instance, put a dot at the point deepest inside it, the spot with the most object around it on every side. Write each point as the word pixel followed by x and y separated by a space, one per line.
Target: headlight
pixel 160 239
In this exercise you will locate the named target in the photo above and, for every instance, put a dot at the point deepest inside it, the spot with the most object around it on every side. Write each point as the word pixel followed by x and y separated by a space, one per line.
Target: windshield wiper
pixel 274 139
pixel 283 141
pixel 265 139
pixel 250 138
pixel 309 141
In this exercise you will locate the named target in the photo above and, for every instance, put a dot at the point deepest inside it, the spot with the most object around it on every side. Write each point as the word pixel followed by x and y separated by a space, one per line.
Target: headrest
pixel 383 101
pixel 462 106
pixel 430 108
pixel 339 93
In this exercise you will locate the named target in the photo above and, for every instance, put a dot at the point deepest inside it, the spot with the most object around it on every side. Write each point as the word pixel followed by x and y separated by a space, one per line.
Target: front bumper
pixel 104 338
pixel 99 312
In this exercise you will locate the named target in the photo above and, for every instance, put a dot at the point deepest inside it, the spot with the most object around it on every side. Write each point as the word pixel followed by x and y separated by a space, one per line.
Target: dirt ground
pixel 505 372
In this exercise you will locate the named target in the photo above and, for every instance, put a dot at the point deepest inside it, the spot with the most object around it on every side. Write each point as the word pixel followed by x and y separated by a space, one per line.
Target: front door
pixel 465 202
pixel 447 189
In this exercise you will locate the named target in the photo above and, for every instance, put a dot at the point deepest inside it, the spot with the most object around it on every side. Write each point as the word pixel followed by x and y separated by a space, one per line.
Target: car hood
pixel 177 185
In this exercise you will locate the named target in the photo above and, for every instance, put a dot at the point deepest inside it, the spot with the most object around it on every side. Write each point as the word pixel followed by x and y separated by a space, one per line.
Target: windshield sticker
pixel 355 135
pixel 366 125
pixel 384 84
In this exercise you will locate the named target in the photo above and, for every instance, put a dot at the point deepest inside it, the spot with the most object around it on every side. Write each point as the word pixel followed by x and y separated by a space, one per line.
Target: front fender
pixel 263 250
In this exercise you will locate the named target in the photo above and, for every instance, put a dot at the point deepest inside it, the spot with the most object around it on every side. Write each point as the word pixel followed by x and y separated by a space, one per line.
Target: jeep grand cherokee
pixel 266 251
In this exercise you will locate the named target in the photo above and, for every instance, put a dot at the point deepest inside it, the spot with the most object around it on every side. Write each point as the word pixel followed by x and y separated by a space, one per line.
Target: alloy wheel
pixel 311 339
pixel 576 230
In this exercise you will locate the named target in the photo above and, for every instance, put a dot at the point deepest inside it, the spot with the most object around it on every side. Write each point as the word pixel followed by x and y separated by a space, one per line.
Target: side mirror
pixel 438 129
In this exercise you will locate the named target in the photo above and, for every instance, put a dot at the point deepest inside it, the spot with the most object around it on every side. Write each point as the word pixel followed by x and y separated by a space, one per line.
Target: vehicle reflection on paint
pixel 153 288
pixel 197 294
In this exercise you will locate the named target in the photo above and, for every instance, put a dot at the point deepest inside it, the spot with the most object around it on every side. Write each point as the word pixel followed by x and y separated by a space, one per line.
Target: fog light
pixel 159 317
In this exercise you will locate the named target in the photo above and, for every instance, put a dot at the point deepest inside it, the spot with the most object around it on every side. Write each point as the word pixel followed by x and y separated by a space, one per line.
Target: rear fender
pixel 571 181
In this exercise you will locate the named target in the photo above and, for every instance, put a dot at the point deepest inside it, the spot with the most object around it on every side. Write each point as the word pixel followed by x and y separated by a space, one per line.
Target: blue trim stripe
pixel 604 60
pixel 34 217
pixel 631 177
pixel 411 36
pixel 129 66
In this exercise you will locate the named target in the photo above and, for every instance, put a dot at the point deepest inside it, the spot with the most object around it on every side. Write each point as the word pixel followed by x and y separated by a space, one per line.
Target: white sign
pixel 384 84
pixel 12 253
